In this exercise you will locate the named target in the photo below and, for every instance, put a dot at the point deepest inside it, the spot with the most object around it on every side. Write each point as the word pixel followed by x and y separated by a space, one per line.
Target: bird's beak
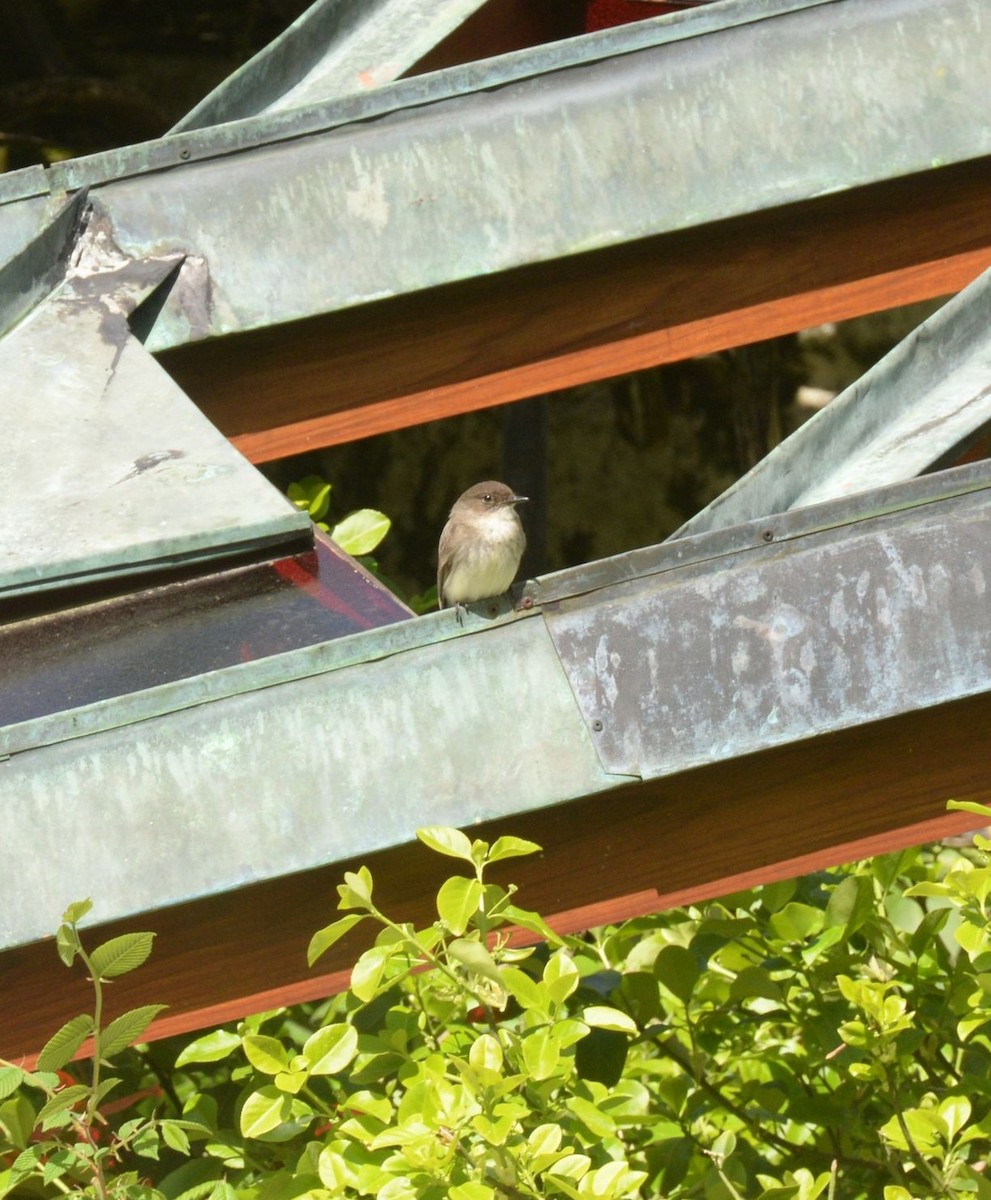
pixel 519 499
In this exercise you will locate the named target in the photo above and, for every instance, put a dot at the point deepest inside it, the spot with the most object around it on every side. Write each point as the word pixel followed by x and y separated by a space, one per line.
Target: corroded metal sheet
pixel 783 641
pixel 586 144
pixel 265 781
pixel 911 410
pixel 728 645
pixel 109 467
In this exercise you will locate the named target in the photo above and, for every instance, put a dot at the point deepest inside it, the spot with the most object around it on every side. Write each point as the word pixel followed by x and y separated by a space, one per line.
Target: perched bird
pixel 481 546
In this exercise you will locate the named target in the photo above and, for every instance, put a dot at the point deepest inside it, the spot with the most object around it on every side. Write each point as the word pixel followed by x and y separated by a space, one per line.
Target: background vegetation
pixel 829 1036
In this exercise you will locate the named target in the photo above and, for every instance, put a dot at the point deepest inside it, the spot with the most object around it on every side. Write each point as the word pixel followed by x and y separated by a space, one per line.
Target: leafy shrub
pixel 827 1036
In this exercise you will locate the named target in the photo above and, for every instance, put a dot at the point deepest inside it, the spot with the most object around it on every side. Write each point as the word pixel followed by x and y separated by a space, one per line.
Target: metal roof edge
pixel 436 628
pixel 368 646
pixel 175 149
pixel 738 538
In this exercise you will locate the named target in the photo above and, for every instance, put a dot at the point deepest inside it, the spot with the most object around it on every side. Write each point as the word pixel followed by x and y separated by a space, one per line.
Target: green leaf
pixel 472 1191
pixel 331 1049
pixel 311 493
pixel 561 976
pixel 541 1053
pixel 266 1054
pixel 292 1081
pixel 121 954
pixel 222 1190
pixel 11 1079
pixel 67 944
pixel 532 921
pixel 598 1123
pixel 753 982
pixel 63 1100
pixel 851 903
pixel 147 1142
pixel 979 810
pixel 458 901
pixel 106 1087
pixel 927 1129
pixel 174 1136
pixel 17 1117
pixel 25 1164
pixel 677 969
pixel 324 938
pixel 56 1165
pixel 368 971
pixel 475 957
pixel 356 890
pixel 526 991
pixel 76 911
pixel 264 1110
pixel 211 1047
pixel 955 1111
pixel 572 1166
pixel 127 1029
pixel 61 1047
pixel 796 922
pixel 776 895
pixel 601 1016
pixel 446 840
pixel 512 847
pixel 360 532
pixel 486 1054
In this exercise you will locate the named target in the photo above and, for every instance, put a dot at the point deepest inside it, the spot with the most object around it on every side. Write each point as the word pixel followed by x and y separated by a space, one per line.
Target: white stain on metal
pixel 367 200
pixel 606 663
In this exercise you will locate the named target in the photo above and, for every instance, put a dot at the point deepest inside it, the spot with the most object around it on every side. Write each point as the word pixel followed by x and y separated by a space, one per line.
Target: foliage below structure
pixel 825 1037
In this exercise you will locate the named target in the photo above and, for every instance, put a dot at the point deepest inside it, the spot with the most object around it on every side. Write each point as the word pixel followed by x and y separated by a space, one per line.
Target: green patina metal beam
pixel 336 48
pixel 632 670
pixel 579 145
pixel 915 409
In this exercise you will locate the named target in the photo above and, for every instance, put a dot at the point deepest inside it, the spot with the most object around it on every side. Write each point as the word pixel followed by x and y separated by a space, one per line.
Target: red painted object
pixel 603 14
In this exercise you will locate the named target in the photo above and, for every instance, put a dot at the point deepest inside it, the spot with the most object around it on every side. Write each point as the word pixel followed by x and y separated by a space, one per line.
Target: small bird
pixel 481 546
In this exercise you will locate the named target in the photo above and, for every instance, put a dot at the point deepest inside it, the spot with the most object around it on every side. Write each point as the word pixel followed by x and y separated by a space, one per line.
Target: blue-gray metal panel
pixel 40 265
pixel 903 416
pixel 783 641
pixel 480 170
pixel 265 782
pixel 109 467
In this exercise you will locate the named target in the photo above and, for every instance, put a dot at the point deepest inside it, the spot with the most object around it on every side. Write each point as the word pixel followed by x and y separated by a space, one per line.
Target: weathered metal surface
pixel 183 625
pixel 336 48
pixel 587 144
pixel 269 781
pixel 293 761
pixel 108 467
pixel 783 640
pixel 907 413
pixel 40 266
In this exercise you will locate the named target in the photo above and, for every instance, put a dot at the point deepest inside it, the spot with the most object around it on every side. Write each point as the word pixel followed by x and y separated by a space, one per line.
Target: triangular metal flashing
pixel 109 468
pixel 909 413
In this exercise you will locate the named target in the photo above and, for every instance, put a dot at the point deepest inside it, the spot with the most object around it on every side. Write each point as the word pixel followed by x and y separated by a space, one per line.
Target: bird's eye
pixel 487 497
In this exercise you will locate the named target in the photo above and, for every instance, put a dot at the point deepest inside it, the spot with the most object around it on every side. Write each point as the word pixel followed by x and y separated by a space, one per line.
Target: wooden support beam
pixel 641 848
pixel 420 357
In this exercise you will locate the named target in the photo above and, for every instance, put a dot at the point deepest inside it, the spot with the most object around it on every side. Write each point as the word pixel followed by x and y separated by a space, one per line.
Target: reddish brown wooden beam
pixel 640 848
pixel 420 357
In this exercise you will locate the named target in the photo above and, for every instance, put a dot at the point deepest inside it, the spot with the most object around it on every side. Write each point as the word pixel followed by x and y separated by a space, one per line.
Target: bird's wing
pixel 444 564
